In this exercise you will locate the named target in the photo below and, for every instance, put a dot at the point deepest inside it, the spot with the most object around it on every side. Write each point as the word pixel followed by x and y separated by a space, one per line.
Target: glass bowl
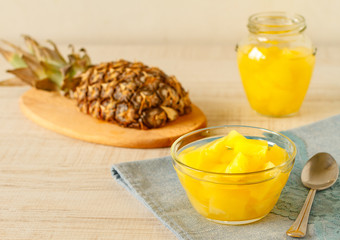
pixel 233 198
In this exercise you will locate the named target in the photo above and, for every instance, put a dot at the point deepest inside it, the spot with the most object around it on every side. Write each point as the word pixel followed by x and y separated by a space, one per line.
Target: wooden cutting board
pixel 61 115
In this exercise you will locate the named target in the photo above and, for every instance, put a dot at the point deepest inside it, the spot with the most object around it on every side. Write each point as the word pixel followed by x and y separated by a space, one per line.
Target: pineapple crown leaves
pixel 45 68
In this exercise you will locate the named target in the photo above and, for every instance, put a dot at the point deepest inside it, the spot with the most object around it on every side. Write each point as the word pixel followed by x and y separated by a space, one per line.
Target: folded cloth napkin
pixel 155 183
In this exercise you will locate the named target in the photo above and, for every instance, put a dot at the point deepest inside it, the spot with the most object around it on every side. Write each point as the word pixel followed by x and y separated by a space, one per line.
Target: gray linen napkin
pixel 155 183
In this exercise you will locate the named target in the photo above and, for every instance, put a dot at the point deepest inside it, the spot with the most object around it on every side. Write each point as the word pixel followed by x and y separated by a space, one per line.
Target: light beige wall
pixel 156 21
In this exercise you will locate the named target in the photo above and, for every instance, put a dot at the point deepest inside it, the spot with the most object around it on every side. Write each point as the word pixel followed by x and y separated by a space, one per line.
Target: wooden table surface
pixel 55 187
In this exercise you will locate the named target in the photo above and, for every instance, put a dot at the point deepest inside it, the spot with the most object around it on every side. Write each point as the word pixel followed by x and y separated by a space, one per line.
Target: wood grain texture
pixel 57 187
pixel 59 114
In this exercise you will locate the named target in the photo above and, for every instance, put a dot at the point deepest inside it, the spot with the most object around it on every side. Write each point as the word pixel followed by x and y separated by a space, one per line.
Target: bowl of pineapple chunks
pixel 233 174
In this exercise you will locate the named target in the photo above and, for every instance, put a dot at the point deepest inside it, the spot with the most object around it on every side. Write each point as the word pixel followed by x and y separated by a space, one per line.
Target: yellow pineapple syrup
pixel 276 62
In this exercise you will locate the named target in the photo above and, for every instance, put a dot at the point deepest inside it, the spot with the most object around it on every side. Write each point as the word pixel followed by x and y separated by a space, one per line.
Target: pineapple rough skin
pixel 131 94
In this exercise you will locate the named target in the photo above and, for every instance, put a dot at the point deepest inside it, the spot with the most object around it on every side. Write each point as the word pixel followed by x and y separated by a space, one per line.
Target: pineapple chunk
pixel 215 151
pixel 234 138
pixel 252 147
pixel 208 156
pixel 239 164
pixel 230 203
pixel 276 155
pixel 190 157
pixel 269 165
pixel 272 173
pixel 255 150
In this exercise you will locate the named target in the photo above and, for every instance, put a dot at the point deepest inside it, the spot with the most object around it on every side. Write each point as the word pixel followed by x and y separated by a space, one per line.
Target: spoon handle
pixel 299 227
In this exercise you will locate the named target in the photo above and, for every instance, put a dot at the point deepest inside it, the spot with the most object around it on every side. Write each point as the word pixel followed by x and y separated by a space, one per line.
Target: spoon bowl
pixel 320 172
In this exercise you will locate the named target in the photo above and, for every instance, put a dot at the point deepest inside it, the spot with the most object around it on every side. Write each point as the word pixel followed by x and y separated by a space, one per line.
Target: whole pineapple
pixel 130 94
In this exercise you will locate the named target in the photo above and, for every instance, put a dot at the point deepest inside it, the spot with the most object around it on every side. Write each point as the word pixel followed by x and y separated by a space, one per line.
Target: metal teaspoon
pixel 320 172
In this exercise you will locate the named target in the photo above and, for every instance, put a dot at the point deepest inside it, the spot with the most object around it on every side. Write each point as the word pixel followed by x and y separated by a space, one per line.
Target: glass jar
pixel 276 62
